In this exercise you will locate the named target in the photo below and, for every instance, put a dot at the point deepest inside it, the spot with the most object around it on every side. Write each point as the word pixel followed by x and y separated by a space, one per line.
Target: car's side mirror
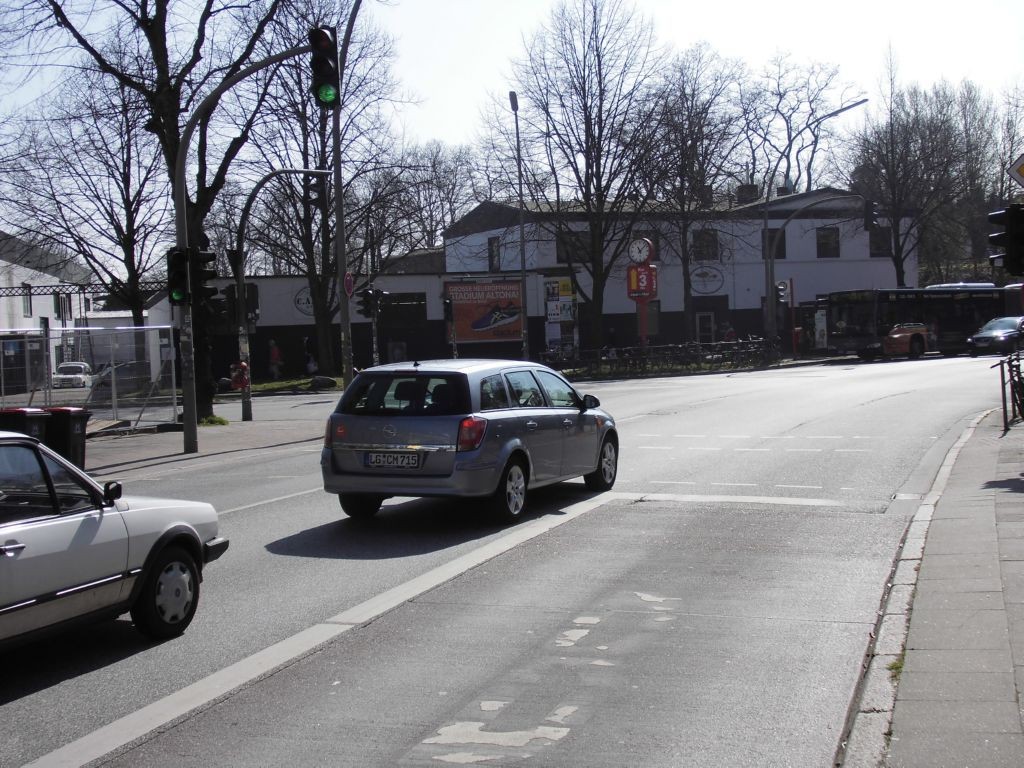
pixel 589 401
pixel 111 492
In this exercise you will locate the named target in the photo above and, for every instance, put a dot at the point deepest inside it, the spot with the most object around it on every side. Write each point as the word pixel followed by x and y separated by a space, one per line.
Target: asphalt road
pixel 714 609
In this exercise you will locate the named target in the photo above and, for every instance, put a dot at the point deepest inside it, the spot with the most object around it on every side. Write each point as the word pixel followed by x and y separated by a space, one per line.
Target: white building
pixel 824 248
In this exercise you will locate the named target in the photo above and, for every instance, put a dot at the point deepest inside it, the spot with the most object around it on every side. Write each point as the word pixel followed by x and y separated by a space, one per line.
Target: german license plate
pixel 393 460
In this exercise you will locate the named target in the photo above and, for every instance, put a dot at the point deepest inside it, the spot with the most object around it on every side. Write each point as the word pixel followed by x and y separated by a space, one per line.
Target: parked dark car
pixel 489 429
pixel 999 336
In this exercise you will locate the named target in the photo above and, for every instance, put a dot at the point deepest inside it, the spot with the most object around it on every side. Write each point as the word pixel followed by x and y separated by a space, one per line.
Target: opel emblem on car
pixel 390 431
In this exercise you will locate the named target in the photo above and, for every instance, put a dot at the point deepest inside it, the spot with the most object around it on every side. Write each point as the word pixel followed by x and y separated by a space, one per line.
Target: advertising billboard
pixel 486 311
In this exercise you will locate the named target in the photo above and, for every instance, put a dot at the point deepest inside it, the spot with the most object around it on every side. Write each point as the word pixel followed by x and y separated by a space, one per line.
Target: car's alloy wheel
pixel 603 478
pixel 510 497
pixel 360 505
pixel 170 595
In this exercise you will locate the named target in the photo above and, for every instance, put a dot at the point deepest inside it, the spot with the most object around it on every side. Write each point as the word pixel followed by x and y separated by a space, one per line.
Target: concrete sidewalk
pixel 942 686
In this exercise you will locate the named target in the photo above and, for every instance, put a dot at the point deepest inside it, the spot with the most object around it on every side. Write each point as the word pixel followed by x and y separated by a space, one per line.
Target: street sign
pixel 641 282
pixel 1016 170
pixel 350 284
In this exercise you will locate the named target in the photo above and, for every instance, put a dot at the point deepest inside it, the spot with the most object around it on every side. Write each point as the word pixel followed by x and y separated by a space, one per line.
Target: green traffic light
pixel 177 295
pixel 327 95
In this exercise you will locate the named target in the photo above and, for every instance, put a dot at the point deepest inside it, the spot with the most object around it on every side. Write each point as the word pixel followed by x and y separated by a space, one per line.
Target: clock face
pixel 639 251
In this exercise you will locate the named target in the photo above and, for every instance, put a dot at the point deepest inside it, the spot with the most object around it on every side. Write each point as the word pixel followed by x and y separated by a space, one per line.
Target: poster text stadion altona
pixel 486 311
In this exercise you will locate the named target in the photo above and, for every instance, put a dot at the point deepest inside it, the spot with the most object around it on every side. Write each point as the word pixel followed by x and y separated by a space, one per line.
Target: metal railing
pixel 1011 387
pixel 692 357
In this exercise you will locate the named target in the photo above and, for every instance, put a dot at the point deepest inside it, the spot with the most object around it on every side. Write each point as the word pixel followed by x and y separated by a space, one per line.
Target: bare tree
pixel 290 226
pixel 786 121
pixel 910 159
pixel 697 156
pixel 588 121
pixel 87 179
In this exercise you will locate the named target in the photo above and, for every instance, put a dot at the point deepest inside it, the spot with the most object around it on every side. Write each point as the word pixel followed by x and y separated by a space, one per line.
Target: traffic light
pixel 217 304
pixel 252 302
pixel 365 303
pixel 323 64
pixel 782 292
pixel 201 271
pixel 379 298
pixel 177 276
pixel 230 302
pixel 870 216
pixel 1011 240
pixel 447 309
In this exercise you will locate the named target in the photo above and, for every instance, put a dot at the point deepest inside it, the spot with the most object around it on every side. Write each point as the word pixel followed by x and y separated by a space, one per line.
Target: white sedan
pixel 71 550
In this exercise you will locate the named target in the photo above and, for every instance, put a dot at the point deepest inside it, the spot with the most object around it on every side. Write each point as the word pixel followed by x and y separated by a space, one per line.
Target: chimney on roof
pixel 782 191
pixel 747 193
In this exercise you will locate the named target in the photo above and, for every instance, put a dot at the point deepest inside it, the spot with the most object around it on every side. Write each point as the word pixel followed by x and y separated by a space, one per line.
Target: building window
pixel 649 234
pixel 494 254
pixel 768 238
pixel 571 248
pixel 26 300
pixel 828 242
pixel 881 242
pixel 705 245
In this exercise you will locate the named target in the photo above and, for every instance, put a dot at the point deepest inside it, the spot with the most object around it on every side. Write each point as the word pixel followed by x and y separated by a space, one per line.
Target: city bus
pixel 858 321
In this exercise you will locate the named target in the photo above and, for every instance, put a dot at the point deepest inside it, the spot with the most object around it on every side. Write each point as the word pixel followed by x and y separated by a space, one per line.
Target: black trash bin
pixel 30 421
pixel 65 432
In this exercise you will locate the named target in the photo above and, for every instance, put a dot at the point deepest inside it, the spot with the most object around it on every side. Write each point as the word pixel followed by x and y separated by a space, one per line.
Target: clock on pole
pixel 641 250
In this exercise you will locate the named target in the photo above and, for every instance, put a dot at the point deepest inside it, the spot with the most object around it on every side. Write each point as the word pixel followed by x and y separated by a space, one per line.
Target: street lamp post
pixel 513 101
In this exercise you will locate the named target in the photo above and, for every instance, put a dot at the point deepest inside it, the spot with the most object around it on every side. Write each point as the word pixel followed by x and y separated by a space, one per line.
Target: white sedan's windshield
pixel 70 368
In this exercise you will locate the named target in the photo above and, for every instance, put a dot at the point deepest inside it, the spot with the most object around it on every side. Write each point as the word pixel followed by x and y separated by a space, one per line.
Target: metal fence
pixel 665 359
pixel 129 379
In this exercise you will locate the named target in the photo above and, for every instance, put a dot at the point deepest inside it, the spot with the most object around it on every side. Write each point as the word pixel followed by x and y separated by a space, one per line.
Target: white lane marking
pixel 570 637
pixel 170 708
pixel 221 513
pixel 466 758
pixel 778 437
pixel 586 620
pixel 559 715
pixel 809 487
pixel 492 706
pixel 473 733
pixel 648 598
pixel 824 437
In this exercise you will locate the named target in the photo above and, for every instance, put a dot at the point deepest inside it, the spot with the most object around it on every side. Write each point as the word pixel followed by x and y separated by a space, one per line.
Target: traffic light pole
pixel 238 267
pixel 188 374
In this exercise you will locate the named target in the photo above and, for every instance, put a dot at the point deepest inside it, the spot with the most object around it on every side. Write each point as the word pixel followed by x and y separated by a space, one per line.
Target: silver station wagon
pixel 489 429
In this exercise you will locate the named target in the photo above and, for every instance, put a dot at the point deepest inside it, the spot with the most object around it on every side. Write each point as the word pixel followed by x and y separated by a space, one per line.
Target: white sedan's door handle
pixel 11 549
pixel 531 424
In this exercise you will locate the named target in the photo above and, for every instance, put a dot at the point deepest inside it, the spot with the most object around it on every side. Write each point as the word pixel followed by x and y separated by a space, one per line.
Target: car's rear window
pixel 406 394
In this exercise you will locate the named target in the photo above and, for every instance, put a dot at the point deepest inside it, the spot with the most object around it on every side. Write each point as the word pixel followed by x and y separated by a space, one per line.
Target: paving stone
pixel 958 630
pixel 936 717
pixel 931 750
pixel 957 686
pixel 956 661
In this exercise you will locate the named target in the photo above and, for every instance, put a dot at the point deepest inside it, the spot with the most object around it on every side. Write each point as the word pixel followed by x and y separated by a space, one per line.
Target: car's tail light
pixel 471 433
pixel 334 433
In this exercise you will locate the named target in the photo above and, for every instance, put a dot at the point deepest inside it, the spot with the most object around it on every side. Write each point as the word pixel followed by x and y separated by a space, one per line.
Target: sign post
pixel 641 287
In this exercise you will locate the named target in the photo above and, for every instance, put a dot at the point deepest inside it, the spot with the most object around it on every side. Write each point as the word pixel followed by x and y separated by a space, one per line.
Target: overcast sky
pixel 455 54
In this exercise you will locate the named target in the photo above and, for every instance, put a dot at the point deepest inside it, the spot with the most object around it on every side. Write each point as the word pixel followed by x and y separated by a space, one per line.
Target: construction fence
pixel 125 377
